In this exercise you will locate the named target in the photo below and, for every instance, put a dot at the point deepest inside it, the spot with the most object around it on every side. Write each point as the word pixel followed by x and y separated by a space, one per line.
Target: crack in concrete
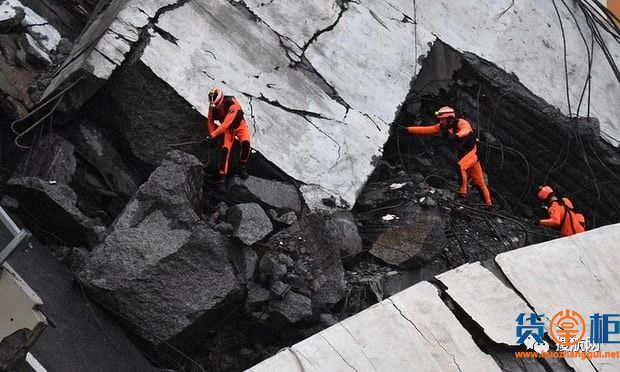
pixel 106 57
pixel 120 36
pixel 405 16
pixel 252 114
pixel 376 17
pixel 145 36
pixel 292 110
pixel 294 352
pixel 588 268
pixel 373 121
pixel 328 136
pixel 337 352
pixel 360 345
pixel 166 35
pixel 421 334
pixel 303 356
pixel 301 60
pixel 407 319
pixel 259 19
pixel 343 8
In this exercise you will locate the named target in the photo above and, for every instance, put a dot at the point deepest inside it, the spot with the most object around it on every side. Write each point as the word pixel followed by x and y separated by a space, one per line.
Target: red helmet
pixel 216 96
pixel 544 192
pixel 445 112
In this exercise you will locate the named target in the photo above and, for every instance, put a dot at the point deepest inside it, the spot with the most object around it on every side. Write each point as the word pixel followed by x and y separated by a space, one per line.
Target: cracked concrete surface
pixel 412 330
pixel 332 71
pixel 486 299
pixel 578 273
pixel 415 329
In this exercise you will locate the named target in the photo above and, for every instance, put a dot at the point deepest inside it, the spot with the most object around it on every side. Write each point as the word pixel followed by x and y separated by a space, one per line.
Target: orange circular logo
pixel 567 327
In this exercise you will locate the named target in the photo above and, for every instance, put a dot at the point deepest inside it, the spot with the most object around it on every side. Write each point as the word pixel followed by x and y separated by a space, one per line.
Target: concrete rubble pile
pixel 342 209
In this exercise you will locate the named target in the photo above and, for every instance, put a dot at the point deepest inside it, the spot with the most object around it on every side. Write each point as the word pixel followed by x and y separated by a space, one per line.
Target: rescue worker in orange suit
pixel 460 132
pixel 227 110
pixel 562 216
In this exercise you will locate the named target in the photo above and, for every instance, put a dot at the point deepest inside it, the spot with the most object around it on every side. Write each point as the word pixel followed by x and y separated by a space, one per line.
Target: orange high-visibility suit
pixel 232 125
pixel 466 151
pixel 563 216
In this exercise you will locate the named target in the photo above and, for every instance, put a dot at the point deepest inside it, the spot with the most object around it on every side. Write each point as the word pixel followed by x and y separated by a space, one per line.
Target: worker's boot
pixel 461 197
pixel 221 184
pixel 243 172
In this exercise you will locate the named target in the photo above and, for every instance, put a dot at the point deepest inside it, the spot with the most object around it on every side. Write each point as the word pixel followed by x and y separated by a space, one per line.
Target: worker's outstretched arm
pixel 464 129
pixel 430 130
pixel 555 216
pixel 234 113
pixel 211 127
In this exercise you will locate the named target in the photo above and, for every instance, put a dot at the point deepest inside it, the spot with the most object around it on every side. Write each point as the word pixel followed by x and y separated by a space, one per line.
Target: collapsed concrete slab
pixel 162 268
pixel 318 95
pixel 577 273
pixel 416 328
pixel 486 299
pixel 413 328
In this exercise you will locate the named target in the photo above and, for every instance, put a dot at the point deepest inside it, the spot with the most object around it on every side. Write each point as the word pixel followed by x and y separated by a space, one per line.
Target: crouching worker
pixel 460 133
pixel 562 216
pixel 227 110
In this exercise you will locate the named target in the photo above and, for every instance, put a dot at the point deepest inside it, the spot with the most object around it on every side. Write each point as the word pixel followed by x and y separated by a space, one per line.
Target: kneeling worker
pixel 459 132
pixel 227 110
pixel 562 216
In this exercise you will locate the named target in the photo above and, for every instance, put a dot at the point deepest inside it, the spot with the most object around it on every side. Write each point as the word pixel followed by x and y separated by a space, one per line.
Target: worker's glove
pixel 208 138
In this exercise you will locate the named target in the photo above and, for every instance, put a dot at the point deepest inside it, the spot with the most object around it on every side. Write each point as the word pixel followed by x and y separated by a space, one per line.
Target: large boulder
pixel 415 240
pixel 270 194
pixel 51 210
pixel 342 227
pixel 162 268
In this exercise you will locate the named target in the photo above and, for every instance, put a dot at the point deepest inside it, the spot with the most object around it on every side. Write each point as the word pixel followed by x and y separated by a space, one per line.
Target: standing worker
pixel 227 110
pixel 562 216
pixel 459 132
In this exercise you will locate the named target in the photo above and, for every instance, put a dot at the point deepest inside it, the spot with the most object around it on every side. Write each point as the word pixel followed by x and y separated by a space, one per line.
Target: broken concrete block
pixel 64 46
pixel 56 205
pixel 224 228
pixel 98 150
pixel 342 227
pixel 54 160
pixel 161 266
pixel 250 222
pixel 270 194
pixel 256 294
pixel 291 309
pixel 315 245
pixel 10 16
pixel 412 244
pixel 34 53
pixel 287 218
pixel 279 289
